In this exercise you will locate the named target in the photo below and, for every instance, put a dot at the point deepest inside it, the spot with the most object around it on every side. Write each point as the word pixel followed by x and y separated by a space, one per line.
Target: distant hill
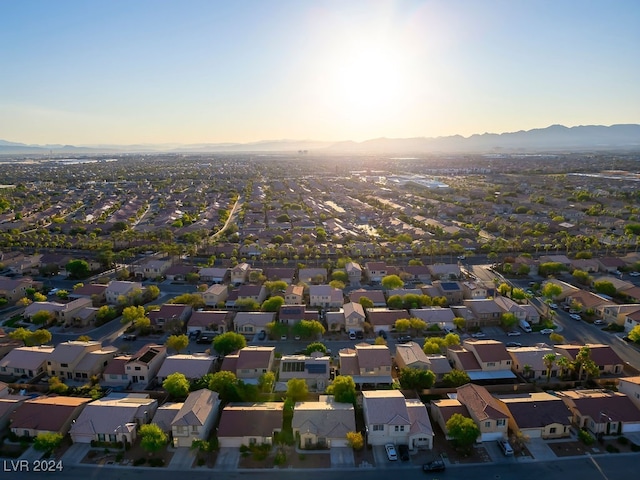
pixel 554 138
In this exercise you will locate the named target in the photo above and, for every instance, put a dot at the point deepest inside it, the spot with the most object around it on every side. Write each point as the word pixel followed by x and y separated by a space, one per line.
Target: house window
pixel 101 437
pixel 399 428
pixel 64 365
pixel 141 377
pixel 491 364
pixel 501 422
pixel 137 369
pixel 378 428
pixel 113 376
pixel 180 430
pixel 508 362
pixel 552 430
pixel 194 429
pixel 112 437
pixel 487 424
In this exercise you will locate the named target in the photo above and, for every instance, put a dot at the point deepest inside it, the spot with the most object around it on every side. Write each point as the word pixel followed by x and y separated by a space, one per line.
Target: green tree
pixel 131 314
pixel 432 347
pixel 57 386
pixel 551 290
pixel 416 379
pixel 508 320
pixel 297 389
pixel 395 302
pixel 152 437
pixel 605 287
pixel 549 360
pixel 105 314
pixel 634 334
pixel 272 304
pixel 47 441
pixel 177 342
pixel 40 337
pixel 78 268
pixel 451 339
pixel 176 385
pixel 43 317
pixel 266 381
pixel 194 299
pixel 276 286
pixel 556 338
pixel 355 440
pixel 150 293
pixel 39 297
pixel 247 305
pixel 62 294
pixel 417 325
pixel 463 430
pixel 460 323
pixel 142 324
pixel 582 277
pixel 391 282
pixel 455 378
pixel 225 383
pixel 229 342
pixel 309 328
pixel 365 302
pixel 315 347
pixel 403 325
pixel 340 275
pixel 343 389
pixel 504 289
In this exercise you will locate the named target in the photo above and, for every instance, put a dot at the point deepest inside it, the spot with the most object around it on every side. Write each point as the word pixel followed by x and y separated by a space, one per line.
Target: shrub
pixel 119 457
pixel 200 461
pixel 635 447
pixel 280 458
pixel 139 461
pixel 156 462
pixel 585 437
pixel 612 449
pixel 623 440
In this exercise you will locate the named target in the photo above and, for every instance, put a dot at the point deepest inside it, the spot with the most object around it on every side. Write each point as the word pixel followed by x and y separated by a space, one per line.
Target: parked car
pixel 505 447
pixel 404 338
pixel 575 316
pixel 359 334
pixel 391 451
pixel 382 334
pixel 262 335
pixel 204 339
pixel 513 344
pixel 599 322
pixel 513 333
pixel 352 335
pixel 434 466
pixel 546 331
pixel 130 337
pixel 283 337
pixel 553 306
pixel 478 335
pixel 634 274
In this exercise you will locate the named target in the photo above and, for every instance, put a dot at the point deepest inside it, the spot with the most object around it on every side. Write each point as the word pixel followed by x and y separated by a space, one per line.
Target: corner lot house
pixel 323 424
pixel 196 418
pixel 630 386
pixel 391 418
pixel 46 415
pixel 27 361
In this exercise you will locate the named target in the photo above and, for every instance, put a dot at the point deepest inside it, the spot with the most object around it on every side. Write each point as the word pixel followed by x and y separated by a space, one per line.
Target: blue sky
pixel 138 71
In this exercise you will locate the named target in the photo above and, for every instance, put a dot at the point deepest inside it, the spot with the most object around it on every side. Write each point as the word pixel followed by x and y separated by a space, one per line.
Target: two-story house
pixel 250 323
pixel 325 296
pixel 314 369
pixel 216 294
pixel 294 295
pixel 171 316
pixel 196 418
pixel 77 360
pixel 240 273
pixel 482 359
pixel 119 288
pixel 375 271
pixel 366 363
pixel 250 363
pixel 25 362
pixel 354 317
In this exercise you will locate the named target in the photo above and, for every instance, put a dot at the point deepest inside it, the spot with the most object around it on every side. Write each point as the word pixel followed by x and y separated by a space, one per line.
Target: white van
pixel 524 325
pixel 505 447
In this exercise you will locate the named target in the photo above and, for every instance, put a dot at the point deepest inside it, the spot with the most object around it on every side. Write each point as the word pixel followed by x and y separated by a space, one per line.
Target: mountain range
pixel 555 138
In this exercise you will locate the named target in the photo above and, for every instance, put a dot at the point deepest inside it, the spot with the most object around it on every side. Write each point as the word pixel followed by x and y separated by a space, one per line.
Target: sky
pixel 207 71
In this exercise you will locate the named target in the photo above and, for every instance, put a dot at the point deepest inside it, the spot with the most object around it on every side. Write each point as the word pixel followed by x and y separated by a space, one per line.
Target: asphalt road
pixel 584 468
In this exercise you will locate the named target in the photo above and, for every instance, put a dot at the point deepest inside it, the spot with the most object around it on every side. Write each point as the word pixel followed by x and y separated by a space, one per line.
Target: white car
pixel 546 331
pixel 634 274
pixel 391 451
pixel 553 306
pixel 599 322
pixel 478 335
pixel 575 316
pixel 513 333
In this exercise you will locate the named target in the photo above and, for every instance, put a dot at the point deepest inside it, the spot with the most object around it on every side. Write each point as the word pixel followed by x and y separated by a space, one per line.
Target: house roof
pixel 197 408
pixel 192 366
pixel 418 417
pixel 112 413
pixel 253 357
pixel 46 413
pixel 411 354
pixel 29 358
pixel 598 403
pixel 91 289
pixel 531 356
pixel 324 418
pixel 68 352
pixel 450 406
pixel 259 319
pixel 148 353
pixel 600 354
pixel 382 316
pixel 250 419
pixel 480 402
pixel 353 307
pixel 433 314
pixel 116 366
pixel 376 296
pixel 372 356
pixel 537 410
pixel 205 318
pixel 466 359
pixel 385 407
pixel 487 350
pixel 165 415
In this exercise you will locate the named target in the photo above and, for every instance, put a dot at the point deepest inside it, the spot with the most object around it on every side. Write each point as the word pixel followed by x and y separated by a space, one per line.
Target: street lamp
pixel 609 419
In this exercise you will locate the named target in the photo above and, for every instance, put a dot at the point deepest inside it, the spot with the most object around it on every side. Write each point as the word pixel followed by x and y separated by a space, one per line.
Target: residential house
pixel 354 272
pixel 439 364
pixel 314 369
pixel 376 296
pixel 486 312
pixel 250 323
pixel 193 366
pixel 375 271
pixel 114 418
pixel 473 290
pixel 589 265
pixel 8 405
pixel 13 289
pixel 240 273
pixel 354 317
pixel 280 274
pixel 152 268
pixel 442 410
pixel 325 296
pixel 443 317
pixel 114 374
pixel 323 424
pixel 165 414
pixel 215 295
pixel 482 359
pixel 417 273
pixel 528 362
pixel 614 313
pixel 144 365
pixel 449 271
pixel 630 386
pixel 587 300
pixel 490 415
pixel 93 291
pixel 250 363
pixel 171 317
pixel 562 259
pixel 450 290
pixel 26 362
pixel 366 363
pixel 567 289
pixel 611 264
pixel 208 321
pixel 631 319
pixel 76 360
pixel 391 418
pixel 604 356
pixel 602 412
pixel 537 415
pixel 179 273
pixel 532 315
pixel 314 276
pixel 213 275
pixel 509 306
pixel 249 424
pixel 196 418
pixel 118 288
pixel 335 320
pixel 292 314
pixel 77 312
pixel 383 319
pixel 294 295
pixel 257 293
pixel 411 355
pixel 53 414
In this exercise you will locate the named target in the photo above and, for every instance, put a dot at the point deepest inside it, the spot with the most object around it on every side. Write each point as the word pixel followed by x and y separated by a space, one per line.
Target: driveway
pixel 182 459
pixel 342 457
pixel 228 458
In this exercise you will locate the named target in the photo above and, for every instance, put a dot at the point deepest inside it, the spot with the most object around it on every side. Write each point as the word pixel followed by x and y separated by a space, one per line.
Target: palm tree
pixel 549 359
pixel 527 371
pixel 564 364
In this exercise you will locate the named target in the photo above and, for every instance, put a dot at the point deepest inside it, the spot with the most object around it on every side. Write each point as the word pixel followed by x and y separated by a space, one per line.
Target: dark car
pixel 404 338
pixel 382 334
pixel 403 452
pixel 434 466
pixel 130 337
pixel 204 339
pixel 262 335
